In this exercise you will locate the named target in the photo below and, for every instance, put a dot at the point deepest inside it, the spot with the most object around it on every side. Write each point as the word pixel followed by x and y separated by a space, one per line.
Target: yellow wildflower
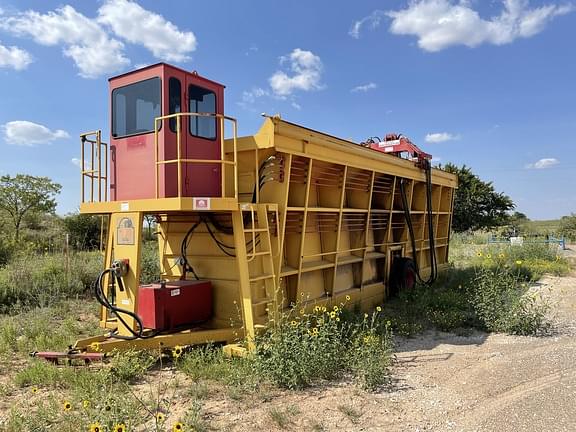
pixel 501 255
pixel 337 319
pixel 317 309
pixel 160 417
pixel 332 314
pixel 34 390
pixel 121 427
pixel 177 351
pixel 66 406
pixel 365 315
pixel 378 308
pixel 347 298
pixel 95 427
pixel 302 311
pixel 86 403
pixel 518 262
pixel 335 308
pixel 479 254
pixel 489 256
pixel 294 323
pixel 177 427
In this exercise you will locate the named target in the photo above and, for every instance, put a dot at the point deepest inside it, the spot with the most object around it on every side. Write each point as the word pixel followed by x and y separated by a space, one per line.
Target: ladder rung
pixel 261 277
pixel 262 301
pixel 255 230
pixel 253 254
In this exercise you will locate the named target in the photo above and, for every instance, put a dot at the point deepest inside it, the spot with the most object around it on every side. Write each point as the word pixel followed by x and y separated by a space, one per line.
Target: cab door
pixel 203 137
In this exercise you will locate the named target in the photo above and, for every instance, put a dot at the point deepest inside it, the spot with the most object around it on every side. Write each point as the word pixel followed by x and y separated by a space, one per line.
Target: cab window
pixel 134 108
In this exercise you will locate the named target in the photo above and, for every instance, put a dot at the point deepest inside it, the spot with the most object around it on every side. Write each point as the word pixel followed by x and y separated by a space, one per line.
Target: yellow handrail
pixel 179 160
pixel 96 172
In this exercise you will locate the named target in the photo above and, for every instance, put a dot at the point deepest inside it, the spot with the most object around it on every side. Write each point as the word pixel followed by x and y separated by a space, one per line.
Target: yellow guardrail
pixel 179 160
pixel 97 170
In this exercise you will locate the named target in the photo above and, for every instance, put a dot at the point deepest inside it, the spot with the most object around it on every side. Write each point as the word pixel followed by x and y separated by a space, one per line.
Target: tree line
pixel 28 213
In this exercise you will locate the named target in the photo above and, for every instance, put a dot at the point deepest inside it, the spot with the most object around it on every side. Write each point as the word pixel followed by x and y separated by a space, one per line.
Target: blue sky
pixel 489 84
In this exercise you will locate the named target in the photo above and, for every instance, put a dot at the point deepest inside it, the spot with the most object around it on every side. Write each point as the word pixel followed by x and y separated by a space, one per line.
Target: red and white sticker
pixel 201 204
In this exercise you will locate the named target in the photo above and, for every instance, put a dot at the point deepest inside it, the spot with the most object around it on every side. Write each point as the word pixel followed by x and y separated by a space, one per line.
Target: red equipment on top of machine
pixel 396 144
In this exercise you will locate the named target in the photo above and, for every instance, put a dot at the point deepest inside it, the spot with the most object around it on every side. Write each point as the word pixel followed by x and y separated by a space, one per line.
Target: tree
pixel 84 230
pixel 23 195
pixel 568 226
pixel 517 218
pixel 476 204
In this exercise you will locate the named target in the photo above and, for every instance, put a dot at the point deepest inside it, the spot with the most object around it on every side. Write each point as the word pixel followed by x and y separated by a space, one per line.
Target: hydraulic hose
pixel 431 236
pixel 119 312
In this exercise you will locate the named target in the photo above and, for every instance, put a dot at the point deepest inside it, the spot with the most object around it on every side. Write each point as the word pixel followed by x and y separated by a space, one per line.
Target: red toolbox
pixel 170 304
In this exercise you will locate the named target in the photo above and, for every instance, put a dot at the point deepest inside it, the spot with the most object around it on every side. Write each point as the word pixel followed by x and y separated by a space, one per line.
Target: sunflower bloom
pixel 501 255
pixel 66 406
pixel 332 314
pixel 336 309
pixel 177 427
pixel 293 323
pixel 317 309
pixel 177 351
pixel 160 417
pixel 34 390
pixel 479 254
pixel 378 308
pixel 121 427
pixel 95 427
pixel 347 298
pixel 488 256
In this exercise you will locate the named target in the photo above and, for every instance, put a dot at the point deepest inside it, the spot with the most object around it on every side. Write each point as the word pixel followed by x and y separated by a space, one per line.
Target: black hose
pixel 431 236
pixel 103 300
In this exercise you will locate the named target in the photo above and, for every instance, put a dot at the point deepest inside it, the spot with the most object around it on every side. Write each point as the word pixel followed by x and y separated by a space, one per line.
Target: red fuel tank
pixel 167 305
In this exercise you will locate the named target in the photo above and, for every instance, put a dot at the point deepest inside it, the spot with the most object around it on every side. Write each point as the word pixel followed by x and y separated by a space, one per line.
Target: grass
pixel 487 287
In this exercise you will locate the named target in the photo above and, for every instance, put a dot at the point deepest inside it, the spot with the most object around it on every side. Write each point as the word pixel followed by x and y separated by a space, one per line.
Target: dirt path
pixel 444 382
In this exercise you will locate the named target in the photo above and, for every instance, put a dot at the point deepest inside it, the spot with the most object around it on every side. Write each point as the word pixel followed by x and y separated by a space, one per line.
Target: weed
pixel 283 417
pixel 352 413
pixel 131 366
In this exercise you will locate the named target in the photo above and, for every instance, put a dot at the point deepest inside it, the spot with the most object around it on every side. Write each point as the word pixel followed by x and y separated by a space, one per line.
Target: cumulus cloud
pixel 131 22
pixel 306 73
pixel 26 133
pixel 255 93
pixel 83 40
pixel 441 137
pixel 94 44
pixel 14 57
pixel 373 20
pixel 543 163
pixel 364 88
pixel 439 24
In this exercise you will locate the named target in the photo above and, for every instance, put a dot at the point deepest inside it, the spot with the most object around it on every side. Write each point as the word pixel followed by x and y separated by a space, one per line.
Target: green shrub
pixel 303 348
pixel 502 304
pixel 150 262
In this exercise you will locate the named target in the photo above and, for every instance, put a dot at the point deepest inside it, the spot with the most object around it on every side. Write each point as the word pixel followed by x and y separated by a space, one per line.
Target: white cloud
pixel 137 25
pixel 26 133
pixel 93 51
pixel 14 57
pixel 307 73
pixel 77 161
pixel 296 105
pixel 439 24
pixel 255 93
pixel 543 163
pixel 441 137
pixel 373 20
pixel 364 88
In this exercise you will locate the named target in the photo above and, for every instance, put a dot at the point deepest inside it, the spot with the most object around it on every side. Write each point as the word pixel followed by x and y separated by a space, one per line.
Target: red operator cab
pixel 137 98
